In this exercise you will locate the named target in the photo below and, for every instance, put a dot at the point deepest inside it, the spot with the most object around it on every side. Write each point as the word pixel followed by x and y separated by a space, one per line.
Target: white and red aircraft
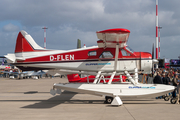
pixel 111 57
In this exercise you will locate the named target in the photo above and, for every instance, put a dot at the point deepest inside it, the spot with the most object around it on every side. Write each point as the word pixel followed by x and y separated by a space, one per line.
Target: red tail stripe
pixel 22 44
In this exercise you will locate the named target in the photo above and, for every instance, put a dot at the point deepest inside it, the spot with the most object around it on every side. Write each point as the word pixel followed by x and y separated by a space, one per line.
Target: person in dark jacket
pixel 175 83
pixel 170 78
pixel 157 79
pixel 165 79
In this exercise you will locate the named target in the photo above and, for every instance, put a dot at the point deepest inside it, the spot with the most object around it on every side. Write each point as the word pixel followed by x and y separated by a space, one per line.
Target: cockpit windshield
pixel 129 49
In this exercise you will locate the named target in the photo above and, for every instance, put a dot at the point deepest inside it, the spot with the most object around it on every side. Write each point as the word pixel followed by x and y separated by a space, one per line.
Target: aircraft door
pixel 128 62
pixel 105 62
pixel 145 64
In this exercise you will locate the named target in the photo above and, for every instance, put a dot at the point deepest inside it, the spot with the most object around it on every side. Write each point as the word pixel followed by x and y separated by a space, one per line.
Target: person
pixel 165 80
pixel 169 79
pixel 178 89
pixel 176 84
pixel 176 72
pixel 157 79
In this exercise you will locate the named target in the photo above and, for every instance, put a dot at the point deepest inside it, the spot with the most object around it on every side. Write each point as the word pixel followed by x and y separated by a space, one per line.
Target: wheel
pixel 166 98
pixel 173 101
pixel 163 96
pixel 108 99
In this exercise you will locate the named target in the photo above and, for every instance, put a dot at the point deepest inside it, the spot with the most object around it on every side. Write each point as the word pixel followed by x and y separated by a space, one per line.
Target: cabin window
pixel 106 54
pixel 129 49
pixel 124 52
pixel 92 53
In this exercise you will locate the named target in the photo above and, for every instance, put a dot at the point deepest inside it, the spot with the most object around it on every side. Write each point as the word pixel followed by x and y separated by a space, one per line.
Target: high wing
pixel 110 37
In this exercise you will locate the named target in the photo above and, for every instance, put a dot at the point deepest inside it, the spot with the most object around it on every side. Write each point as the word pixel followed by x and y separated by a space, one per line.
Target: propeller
pixel 153 51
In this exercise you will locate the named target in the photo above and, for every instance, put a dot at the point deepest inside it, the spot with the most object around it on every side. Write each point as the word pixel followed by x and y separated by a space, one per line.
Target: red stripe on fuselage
pixel 70 56
pixel 83 55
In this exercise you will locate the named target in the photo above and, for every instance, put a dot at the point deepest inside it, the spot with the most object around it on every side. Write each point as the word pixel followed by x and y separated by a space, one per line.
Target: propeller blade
pixel 152 60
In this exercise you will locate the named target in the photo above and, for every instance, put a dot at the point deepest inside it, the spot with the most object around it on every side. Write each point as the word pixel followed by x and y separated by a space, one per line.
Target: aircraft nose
pixel 146 55
pixel 155 61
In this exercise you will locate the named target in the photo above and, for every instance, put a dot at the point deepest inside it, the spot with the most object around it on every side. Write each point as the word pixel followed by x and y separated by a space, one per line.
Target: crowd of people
pixel 168 76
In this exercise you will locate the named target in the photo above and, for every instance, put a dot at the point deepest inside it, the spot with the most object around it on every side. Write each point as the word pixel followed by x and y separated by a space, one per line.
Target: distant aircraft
pixel 111 57
pixel 23 75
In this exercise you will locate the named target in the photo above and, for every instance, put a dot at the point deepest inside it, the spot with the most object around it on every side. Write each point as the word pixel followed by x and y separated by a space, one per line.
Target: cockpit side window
pixel 124 52
pixel 129 49
pixel 92 53
pixel 106 54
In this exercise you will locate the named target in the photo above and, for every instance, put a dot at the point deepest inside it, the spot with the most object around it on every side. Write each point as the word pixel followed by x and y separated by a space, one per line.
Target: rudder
pixel 25 43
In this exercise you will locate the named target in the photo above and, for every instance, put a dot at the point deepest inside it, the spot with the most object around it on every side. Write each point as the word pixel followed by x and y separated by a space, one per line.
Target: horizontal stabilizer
pixel 11 58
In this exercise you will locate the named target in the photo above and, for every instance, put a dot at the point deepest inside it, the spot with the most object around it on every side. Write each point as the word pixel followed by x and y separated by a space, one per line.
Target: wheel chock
pixel 117 101
pixel 53 92
pixel 58 91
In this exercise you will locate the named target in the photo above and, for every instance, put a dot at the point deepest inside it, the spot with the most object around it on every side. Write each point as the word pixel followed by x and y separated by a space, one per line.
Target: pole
pixel 156 29
pixel 44 36
pixel 159 40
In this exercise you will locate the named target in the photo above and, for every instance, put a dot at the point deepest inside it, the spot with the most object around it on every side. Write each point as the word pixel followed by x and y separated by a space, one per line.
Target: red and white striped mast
pixel 156 29
pixel 45 36
pixel 159 40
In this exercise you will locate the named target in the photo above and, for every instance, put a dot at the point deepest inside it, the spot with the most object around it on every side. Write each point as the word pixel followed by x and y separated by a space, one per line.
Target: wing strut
pixel 97 77
pixel 115 63
pixel 116 56
pixel 111 78
pixel 102 77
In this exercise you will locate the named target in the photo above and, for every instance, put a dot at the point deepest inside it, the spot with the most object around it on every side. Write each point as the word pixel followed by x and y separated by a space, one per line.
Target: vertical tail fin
pixel 25 43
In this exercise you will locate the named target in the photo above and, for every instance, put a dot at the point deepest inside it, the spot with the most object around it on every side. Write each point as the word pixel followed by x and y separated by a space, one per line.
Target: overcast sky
pixel 69 20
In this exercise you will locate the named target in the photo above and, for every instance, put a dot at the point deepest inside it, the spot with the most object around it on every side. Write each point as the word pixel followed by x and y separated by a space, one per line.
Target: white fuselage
pixel 106 66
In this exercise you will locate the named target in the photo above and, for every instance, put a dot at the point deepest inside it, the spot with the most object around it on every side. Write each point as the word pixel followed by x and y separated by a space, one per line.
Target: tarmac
pixel 29 99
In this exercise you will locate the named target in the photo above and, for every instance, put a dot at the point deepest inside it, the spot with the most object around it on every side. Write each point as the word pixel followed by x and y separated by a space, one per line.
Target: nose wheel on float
pixel 108 100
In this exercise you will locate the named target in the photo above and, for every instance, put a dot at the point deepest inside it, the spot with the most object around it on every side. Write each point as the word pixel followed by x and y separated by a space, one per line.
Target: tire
pixel 173 101
pixel 166 98
pixel 108 99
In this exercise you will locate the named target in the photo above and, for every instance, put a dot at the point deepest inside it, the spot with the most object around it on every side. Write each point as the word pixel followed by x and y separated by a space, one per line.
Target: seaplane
pixel 111 57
